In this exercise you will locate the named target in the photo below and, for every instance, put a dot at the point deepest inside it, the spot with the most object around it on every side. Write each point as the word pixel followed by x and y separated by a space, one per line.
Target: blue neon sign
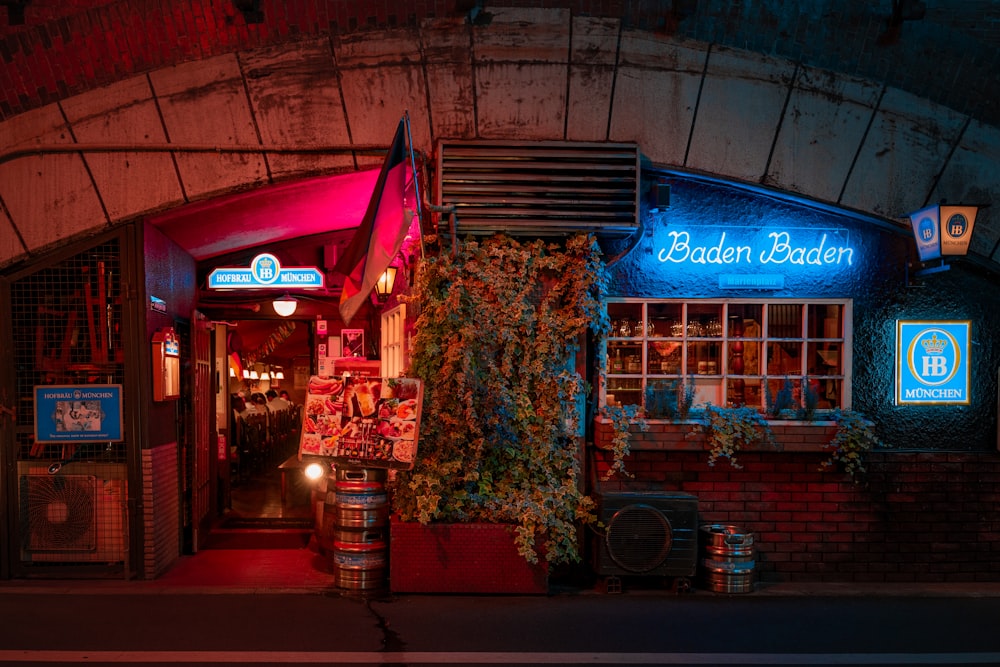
pixel 932 363
pixel 265 272
pixel 732 247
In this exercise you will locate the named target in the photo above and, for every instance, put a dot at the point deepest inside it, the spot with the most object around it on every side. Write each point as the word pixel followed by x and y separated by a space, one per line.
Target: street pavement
pixel 282 607
pixel 144 623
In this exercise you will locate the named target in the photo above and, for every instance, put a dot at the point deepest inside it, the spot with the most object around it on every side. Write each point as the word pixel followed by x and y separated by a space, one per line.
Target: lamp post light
pixel 383 287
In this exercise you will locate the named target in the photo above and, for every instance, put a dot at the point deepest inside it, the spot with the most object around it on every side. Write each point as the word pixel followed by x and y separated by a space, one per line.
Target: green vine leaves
pixel 854 438
pixel 494 343
pixel 728 430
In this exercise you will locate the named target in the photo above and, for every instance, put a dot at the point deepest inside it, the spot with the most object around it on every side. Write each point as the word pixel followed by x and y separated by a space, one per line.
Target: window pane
pixel 783 394
pixel 744 357
pixel 784 320
pixel 826 320
pixel 784 358
pixel 665 319
pixel 744 320
pixel 825 358
pixel 626 319
pixel 826 392
pixel 625 357
pixel 664 358
pixel 704 320
pixel 741 391
pixel 624 391
pixel 703 358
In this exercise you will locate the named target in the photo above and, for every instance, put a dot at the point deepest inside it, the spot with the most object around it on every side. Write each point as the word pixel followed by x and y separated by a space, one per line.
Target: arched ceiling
pixel 125 110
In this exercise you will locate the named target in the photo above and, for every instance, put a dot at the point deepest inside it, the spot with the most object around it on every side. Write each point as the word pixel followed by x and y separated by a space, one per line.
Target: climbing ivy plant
pixel 499 324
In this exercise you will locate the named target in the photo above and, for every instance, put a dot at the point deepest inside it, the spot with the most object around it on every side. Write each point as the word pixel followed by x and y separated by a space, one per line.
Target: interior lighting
pixel 314 471
pixel 285 305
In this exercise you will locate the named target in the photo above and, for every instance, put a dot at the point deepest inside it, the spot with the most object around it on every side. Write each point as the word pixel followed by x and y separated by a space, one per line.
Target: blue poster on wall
pixel 932 363
pixel 78 413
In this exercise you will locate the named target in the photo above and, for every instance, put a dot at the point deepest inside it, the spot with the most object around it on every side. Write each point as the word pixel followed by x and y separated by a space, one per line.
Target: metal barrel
pixel 354 499
pixel 727 559
pixel 356 527
pixel 359 565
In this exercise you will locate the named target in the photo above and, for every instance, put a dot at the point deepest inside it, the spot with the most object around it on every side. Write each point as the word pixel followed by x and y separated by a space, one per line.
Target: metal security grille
pixel 67 321
pixel 67 330
pixel 540 188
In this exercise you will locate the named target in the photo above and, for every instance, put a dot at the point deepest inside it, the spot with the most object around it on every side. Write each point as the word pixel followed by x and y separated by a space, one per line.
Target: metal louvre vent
pixel 59 513
pixel 649 534
pixel 540 188
pixel 638 538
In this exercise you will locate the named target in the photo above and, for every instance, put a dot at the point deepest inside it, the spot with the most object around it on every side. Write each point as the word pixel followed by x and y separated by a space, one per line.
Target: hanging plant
pixel 622 418
pixel 728 430
pixel 498 329
pixel 854 438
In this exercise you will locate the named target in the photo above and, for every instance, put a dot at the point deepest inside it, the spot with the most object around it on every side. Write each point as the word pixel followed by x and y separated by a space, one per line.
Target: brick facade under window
pixel 915 516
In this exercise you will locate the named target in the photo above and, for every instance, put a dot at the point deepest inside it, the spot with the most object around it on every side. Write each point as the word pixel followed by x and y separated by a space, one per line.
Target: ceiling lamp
pixel 383 287
pixel 264 377
pixel 253 375
pixel 279 374
pixel 285 305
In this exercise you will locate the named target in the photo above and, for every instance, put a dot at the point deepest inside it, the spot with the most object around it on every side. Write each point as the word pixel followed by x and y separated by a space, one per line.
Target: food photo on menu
pixel 362 421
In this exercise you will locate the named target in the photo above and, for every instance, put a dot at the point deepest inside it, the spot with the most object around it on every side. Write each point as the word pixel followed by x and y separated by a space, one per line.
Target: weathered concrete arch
pixel 529 74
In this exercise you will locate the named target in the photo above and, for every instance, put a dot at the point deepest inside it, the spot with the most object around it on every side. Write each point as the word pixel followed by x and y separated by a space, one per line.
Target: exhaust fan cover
pixel 650 534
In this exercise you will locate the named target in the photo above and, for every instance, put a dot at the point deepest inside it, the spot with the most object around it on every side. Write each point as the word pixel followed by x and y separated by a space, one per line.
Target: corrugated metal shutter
pixel 539 188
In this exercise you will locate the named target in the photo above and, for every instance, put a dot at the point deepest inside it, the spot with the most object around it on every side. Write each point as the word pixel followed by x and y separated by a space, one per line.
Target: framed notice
pixel 932 362
pixel 352 343
pixel 78 413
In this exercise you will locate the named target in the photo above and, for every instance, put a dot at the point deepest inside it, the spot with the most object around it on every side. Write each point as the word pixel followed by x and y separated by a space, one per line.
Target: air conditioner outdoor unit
pixel 74 516
pixel 647 534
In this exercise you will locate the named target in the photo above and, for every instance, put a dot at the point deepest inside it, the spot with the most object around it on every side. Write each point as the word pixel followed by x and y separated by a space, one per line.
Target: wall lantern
pixel 285 305
pixel 942 231
pixel 383 287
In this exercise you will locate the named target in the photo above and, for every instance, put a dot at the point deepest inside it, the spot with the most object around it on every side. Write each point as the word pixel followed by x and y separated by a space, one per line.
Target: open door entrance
pixel 267 367
pixel 198 433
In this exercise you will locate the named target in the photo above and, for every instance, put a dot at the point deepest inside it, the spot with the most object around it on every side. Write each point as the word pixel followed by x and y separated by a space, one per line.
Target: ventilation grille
pixel 59 513
pixel 647 534
pixel 539 189
pixel 74 517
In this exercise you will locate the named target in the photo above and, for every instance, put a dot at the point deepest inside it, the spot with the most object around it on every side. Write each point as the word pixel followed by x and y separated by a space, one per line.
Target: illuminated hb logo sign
pixel 932 365
pixel 265 268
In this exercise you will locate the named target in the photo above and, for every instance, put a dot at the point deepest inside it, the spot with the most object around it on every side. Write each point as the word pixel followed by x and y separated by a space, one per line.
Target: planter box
pixel 789 436
pixel 460 558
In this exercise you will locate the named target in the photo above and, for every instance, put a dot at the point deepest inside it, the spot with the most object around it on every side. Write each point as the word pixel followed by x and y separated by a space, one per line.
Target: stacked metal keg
pixel 727 559
pixel 355 527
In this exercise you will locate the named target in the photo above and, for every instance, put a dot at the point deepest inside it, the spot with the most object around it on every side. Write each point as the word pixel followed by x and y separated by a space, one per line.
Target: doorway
pixel 268 367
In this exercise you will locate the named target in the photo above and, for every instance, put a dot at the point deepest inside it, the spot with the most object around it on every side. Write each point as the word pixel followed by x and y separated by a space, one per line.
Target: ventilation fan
pixel 58 513
pixel 647 534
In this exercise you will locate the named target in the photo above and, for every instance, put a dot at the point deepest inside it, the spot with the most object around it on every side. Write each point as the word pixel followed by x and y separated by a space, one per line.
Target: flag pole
pixel 416 183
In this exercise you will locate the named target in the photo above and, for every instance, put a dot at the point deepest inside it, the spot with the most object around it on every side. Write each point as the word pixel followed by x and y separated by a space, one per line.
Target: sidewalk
pixel 305 571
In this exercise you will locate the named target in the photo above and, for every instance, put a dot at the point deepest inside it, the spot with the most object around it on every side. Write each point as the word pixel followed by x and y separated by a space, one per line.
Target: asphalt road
pixel 583 628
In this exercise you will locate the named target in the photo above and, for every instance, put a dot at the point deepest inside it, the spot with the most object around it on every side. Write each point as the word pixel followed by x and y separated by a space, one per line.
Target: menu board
pixel 362 421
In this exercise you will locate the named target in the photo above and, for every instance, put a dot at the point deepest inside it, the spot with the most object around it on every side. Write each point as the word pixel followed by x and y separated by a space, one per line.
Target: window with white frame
pixel 392 342
pixel 775 355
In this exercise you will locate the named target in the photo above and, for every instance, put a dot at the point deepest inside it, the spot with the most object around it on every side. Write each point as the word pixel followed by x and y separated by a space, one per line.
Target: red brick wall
pixel 916 517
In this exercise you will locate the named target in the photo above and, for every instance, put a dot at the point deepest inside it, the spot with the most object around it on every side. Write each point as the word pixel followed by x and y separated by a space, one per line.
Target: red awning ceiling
pixel 270 214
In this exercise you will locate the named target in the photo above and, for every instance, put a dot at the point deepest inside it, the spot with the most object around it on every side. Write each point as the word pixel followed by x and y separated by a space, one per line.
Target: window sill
pixel 680 435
